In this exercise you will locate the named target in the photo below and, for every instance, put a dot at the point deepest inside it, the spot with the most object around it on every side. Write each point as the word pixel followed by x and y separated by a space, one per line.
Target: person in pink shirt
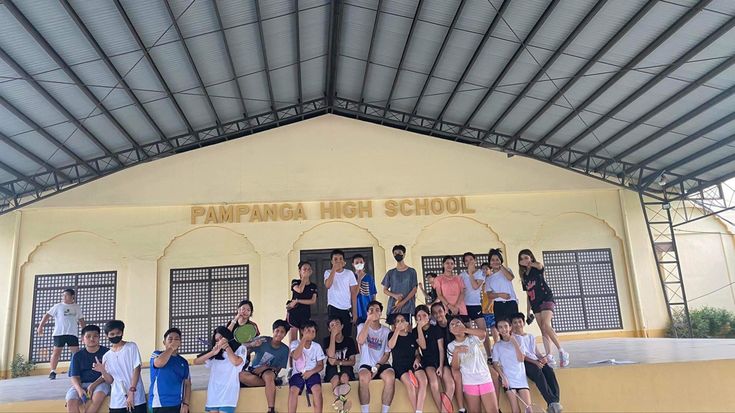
pixel 449 289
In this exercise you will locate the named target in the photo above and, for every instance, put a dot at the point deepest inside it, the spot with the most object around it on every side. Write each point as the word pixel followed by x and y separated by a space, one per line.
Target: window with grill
pixel 585 291
pixel 202 299
pixel 433 263
pixel 95 295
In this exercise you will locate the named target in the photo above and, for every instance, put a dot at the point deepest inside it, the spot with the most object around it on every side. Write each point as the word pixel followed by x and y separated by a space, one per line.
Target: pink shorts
pixel 478 389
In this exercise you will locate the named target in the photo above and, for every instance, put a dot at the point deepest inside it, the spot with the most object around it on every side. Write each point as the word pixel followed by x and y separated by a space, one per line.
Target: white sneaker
pixel 554 408
pixel 564 356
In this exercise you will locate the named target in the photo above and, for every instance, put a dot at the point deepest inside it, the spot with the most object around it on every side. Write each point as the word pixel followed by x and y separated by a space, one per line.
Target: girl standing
pixel 303 295
pixel 499 288
pixel 466 353
pixel 449 289
pixel 541 301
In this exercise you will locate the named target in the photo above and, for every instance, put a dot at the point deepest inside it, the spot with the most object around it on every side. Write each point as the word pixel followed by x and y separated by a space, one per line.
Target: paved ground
pixel 583 352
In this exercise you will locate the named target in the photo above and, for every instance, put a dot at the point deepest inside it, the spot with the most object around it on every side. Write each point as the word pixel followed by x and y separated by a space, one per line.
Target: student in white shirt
pixel 120 367
pixel 537 366
pixel 466 353
pixel 66 314
pixel 342 289
pixel 508 362
pixel 225 361
pixel 372 338
pixel 308 361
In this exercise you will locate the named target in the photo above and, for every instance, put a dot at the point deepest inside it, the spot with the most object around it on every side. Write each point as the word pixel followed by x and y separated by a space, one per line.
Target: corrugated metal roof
pixel 646 88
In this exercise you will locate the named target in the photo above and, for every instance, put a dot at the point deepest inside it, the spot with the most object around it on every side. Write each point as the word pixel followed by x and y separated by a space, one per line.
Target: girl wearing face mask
pixel 303 295
pixel 366 287
pixel 541 301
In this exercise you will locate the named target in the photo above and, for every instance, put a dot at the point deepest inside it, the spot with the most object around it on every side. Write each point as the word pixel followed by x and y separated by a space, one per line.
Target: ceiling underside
pixel 637 93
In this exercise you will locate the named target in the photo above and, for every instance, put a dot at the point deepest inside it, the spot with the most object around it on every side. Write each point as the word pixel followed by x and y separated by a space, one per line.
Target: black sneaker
pixel 52 375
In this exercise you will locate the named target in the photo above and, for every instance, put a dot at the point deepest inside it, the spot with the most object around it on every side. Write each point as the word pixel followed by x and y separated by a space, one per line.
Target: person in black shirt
pixel 406 362
pixel 541 301
pixel 430 340
pixel 341 353
pixel 452 379
pixel 303 295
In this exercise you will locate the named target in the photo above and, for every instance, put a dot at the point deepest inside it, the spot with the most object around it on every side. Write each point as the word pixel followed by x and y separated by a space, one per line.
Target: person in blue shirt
pixel 270 356
pixel 170 389
pixel 88 388
pixel 365 287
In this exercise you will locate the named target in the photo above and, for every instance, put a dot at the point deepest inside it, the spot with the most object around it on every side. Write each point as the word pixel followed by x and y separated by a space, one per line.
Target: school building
pixel 179 242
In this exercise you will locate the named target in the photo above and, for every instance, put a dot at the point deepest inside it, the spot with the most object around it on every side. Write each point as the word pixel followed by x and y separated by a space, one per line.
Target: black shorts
pixel 429 362
pixel 69 340
pixel 167 409
pixel 401 370
pixel 298 318
pixel 474 312
pixel 141 408
pixel 504 310
pixel 331 371
pixel 381 369
pixel 392 318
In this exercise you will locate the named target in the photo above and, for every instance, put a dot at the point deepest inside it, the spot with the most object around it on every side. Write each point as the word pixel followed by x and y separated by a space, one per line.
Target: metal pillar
pixel 658 217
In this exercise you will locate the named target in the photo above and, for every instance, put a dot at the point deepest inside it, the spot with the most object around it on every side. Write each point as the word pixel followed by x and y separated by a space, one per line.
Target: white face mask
pixel 360 266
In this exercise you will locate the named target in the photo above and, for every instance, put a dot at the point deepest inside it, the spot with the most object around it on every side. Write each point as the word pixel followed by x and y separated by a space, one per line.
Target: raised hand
pixel 99 366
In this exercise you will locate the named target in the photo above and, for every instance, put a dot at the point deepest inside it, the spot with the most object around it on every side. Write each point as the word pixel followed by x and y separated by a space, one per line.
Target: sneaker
pixel 550 359
pixel 52 375
pixel 554 408
pixel 564 356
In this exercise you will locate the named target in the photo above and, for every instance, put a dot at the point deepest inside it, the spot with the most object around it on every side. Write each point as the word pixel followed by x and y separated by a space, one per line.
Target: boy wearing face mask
pixel 400 284
pixel 120 367
pixel 366 287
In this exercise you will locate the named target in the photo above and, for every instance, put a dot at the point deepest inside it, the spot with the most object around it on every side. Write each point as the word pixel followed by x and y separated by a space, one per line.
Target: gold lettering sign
pixel 228 214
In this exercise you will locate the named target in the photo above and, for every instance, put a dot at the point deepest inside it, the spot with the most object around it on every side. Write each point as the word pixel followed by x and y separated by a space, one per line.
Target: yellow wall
pixel 665 387
pixel 138 221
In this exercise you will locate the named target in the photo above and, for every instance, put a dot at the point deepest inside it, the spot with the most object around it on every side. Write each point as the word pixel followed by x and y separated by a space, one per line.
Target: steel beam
pixel 298 55
pixel 30 155
pixel 676 64
pixel 193 65
pixel 591 62
pixel 152 64
pixel 55 103
pixel 724 65
pixel 28 26
pixel 19 175
pixel 490 29
pixel 230 62
pixel 549 62
pixel 521 47
pixel 660 39
pixel 370 50
pixel 394 83
pixel 696 155
pixel 111 67
pixel 335 27
pixel 264 56
pixel 438 56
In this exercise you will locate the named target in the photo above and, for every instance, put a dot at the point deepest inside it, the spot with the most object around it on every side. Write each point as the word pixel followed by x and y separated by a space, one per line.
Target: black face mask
pixel 398 257
pixel 115 340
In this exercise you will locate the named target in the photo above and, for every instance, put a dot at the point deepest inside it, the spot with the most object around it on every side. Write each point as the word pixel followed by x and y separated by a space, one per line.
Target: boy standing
pixel 341 292
pixel 121 368
pixel 66 315
pixel 85 382
pixel 372 337
pixel 400 284
pixel 170 379
pixel 308 361
pixel 270 357
pixel 537 366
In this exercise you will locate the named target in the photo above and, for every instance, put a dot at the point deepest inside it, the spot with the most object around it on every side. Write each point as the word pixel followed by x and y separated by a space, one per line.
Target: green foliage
pixel 20 367
pixel 707 322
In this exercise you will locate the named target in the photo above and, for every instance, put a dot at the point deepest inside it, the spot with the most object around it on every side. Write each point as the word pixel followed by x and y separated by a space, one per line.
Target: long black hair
pixel 226 333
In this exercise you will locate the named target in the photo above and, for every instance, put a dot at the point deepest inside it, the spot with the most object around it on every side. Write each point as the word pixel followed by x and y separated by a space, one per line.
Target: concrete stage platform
pixel 667 375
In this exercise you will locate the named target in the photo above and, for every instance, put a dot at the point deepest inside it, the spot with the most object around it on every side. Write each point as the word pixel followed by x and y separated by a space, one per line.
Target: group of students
pixel 447 354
